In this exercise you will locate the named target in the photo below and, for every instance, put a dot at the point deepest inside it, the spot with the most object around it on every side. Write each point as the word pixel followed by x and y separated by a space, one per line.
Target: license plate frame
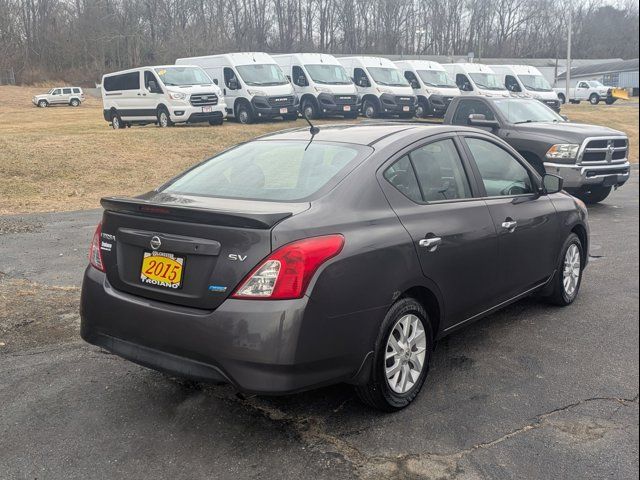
pixel 284 110
pixel 346 108
pixel 171 266
pixel 207 109
pixel 405 108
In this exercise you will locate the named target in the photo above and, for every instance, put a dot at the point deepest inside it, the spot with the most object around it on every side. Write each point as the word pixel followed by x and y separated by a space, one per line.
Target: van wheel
pixel 164 120
pixel 370 109
pixel 43 103
pixel 566 283
pixel 401 357
pixel 74 102
pixel 116 121
pixel 244 114
pixel 309 109
pixel 594 99
pixel 423 110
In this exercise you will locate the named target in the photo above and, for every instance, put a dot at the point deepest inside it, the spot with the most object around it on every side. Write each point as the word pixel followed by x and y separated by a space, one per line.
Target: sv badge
pixel 236 257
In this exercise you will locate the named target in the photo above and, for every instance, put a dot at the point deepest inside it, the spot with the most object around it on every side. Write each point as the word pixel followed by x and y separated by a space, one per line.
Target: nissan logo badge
pixel 155 242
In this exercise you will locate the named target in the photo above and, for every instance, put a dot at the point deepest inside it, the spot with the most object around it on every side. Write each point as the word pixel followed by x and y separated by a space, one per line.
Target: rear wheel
pixel 401 358
pixel 569 272
pixel 594 195
pixel 594 99
pixel 116 121
pixel 43 103
pixel 74 102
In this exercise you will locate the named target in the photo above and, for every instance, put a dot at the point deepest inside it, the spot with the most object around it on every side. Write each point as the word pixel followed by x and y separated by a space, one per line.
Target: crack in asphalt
pixel 312 431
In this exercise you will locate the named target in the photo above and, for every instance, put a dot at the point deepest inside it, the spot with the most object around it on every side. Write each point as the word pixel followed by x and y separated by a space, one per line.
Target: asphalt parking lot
pixel 532 392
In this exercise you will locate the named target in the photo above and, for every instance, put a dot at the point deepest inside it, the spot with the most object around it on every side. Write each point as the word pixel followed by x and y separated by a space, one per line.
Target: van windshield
pixel 436 78
pixel 270 170
pixel 183 76
pixel 262 74
pixel 518 110
pixel 329 74
pixel 388 76
pixel 487 81
pixel 536 83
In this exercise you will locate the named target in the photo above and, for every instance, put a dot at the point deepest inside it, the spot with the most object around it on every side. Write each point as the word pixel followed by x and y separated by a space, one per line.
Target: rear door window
pixel 125 81
pixel 271 170
pixel 76 90
pixel 66 91
pixel 403 177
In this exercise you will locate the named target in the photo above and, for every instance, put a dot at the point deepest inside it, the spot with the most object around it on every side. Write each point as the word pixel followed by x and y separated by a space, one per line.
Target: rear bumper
pixel 274 347
pixel 578 176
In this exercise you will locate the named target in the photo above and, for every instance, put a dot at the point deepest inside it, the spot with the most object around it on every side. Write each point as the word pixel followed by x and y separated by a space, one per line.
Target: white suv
pixel 72 96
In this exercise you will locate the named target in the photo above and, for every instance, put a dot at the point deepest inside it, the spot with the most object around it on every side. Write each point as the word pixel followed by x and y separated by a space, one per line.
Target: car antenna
pixel 313 130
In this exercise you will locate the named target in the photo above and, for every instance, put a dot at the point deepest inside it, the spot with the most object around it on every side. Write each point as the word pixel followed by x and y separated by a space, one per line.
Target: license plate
pixel 207 109
pixel 162 270
pixel 405 109
pixel 284 110
pixel 347 108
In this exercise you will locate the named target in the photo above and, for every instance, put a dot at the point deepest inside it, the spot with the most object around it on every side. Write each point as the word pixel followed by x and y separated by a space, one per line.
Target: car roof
pixel 362 133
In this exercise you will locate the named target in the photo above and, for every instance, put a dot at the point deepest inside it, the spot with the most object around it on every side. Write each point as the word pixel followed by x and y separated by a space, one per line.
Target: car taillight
pixel 95 256
pixel 286 273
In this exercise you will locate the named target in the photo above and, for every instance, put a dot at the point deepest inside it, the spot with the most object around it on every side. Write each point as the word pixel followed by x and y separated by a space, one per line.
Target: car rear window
pixel 271 170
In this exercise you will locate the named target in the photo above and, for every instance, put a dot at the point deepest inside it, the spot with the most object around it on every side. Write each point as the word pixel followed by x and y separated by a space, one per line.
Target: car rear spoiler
pixel 259 220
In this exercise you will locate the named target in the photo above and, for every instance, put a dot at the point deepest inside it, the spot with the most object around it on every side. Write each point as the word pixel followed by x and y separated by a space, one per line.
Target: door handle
pixel 510 225
pixel 431 243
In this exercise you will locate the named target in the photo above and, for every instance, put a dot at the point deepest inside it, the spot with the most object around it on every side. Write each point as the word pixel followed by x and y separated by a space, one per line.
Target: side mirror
pixel 302 81
pixel 466 87
pixel 233 85
pixel 363 82
pixel 479 120
pixel 153 86
pixel 415 85
pixel 552 183
pixel 215 80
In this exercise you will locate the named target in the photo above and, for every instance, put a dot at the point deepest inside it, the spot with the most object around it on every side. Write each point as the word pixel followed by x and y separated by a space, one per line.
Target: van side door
pixel 434 194
pixel 525 219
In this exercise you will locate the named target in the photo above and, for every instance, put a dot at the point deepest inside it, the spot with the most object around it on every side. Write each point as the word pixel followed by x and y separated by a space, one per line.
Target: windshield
pixel 436 78
pixel 487 81
pixel 536 83
pixel 595 84
pixel 262 74
pixel 329 74
pixel 518 110
pixel 388 76
pixel 270 170
pixel 183 76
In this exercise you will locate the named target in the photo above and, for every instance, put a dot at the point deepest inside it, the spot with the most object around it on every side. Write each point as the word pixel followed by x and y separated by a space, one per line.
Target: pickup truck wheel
pixel 43 103
pixel 562 99
pixel 401 357
pixel 566 283
pixel 594 99
pixel 594 195
pixel 610 101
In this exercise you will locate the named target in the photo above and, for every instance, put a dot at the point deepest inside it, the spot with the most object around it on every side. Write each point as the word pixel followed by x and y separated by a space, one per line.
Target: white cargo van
pixel 432 85
pixel 476 79
pixel 382 88
pixel 526 81
pixel 321 83
pixel 163 95
pixel 253 84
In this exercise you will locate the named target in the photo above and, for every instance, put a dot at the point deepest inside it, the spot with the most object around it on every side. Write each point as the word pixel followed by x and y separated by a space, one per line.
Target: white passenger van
pixel 163 95
pixel 432 85
pixel 382 88
pixel 476 79
pixel 253 84
pixel 526 81
pixel 321 83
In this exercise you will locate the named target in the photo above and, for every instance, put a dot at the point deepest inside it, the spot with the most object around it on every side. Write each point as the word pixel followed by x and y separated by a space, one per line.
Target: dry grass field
pixel 63 158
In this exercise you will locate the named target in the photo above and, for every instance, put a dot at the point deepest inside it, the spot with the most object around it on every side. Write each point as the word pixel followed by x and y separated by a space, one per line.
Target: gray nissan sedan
pixel 298 260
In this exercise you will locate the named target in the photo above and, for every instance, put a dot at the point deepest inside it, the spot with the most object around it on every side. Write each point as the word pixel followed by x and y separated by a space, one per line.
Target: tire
pixel 244 114
pixel 309 109
pixel 610 101
pixel 567 281
pixel 43 103
pixel 116 121
pixel 423 110
pixel 594 195
pixel 562 99
pixel 594 99
pixel 370 109
pixel 378 391
pixel 218 121
pixel 164 120
pixel 74 102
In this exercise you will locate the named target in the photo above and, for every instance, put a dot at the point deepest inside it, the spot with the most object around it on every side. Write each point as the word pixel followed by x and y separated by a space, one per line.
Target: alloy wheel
pixel 571 271
pixel 405 353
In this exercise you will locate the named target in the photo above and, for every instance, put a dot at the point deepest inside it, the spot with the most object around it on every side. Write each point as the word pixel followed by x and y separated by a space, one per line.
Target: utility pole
pixel 568 76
